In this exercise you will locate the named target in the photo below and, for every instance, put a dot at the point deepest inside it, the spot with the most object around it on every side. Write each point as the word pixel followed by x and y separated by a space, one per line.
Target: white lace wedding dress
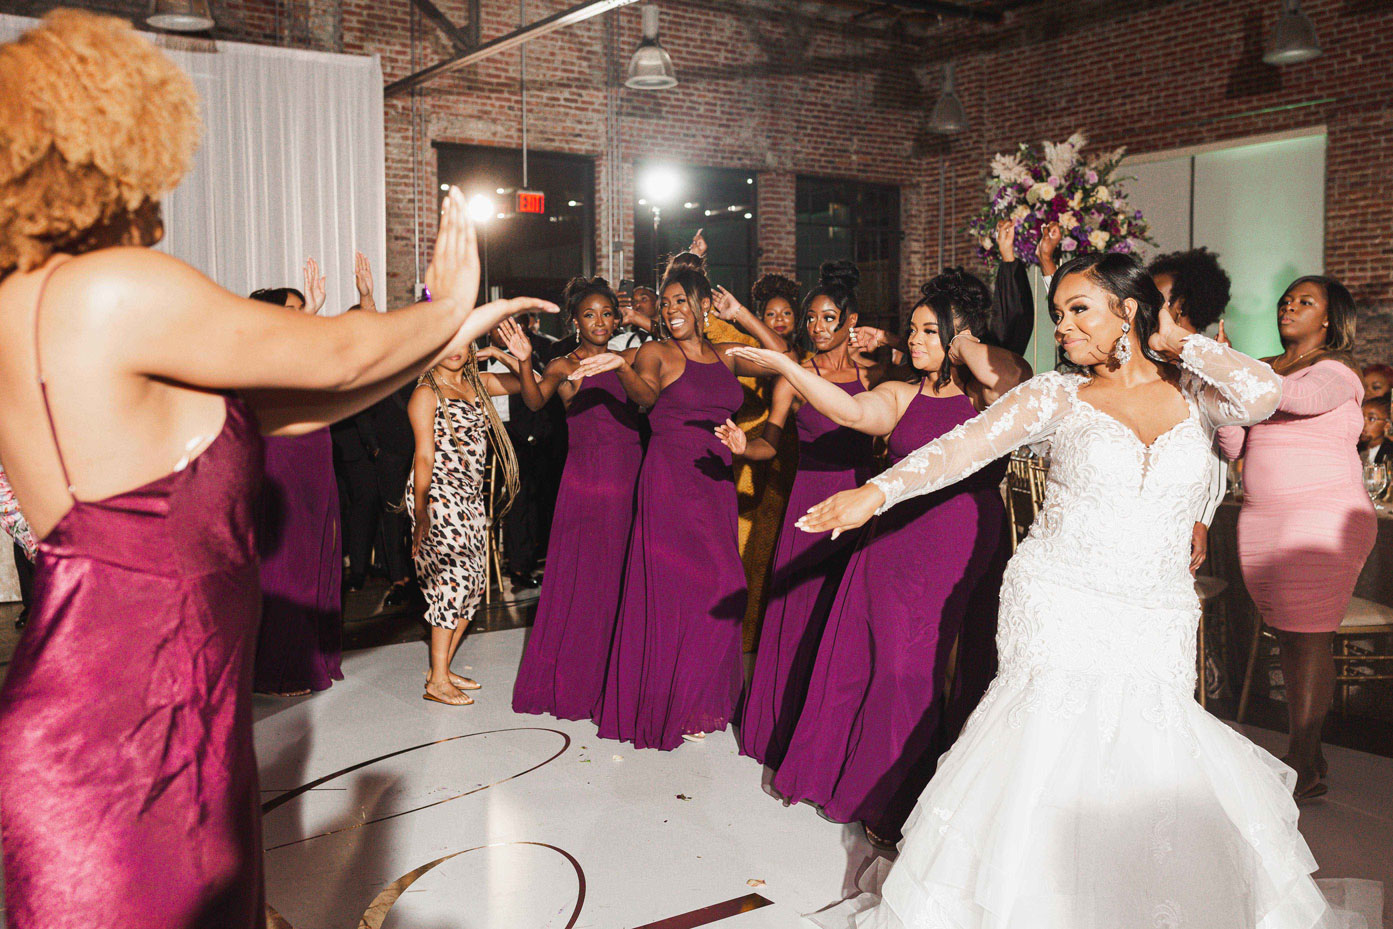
pixel 1089 790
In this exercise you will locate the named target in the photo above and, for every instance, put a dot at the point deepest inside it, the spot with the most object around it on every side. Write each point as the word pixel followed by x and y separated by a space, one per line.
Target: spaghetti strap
pixel 43 385
pixel 813 359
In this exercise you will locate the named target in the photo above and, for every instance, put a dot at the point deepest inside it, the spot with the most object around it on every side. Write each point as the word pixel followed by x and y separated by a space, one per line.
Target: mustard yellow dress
pixel 761 487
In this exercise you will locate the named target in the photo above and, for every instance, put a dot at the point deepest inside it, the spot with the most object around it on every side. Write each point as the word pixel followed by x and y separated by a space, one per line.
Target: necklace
pixel 1288 365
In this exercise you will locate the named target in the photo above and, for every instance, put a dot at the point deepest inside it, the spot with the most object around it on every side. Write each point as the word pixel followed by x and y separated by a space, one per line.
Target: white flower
pixel 986 243
pixel 1076 201
pixel 1068 221
pixel 1102 195
pixel 1020 212
pixel 1009 169
pixel 1040 192
pixel 1098 239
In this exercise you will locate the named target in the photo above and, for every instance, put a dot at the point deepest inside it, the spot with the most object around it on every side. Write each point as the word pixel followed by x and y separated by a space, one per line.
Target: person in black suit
pixel 390 448
pixel 1374 446
pixel 358 497
pixel 540 441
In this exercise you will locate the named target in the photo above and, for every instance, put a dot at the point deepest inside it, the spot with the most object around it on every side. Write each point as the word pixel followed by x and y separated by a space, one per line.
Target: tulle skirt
pixel 1076 801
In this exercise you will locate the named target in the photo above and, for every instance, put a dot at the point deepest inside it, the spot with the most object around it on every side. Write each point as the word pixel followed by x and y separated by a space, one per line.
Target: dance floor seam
pixel 556 828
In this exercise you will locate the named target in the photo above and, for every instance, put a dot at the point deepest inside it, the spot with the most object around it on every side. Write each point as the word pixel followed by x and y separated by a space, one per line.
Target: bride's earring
pixel 1122 351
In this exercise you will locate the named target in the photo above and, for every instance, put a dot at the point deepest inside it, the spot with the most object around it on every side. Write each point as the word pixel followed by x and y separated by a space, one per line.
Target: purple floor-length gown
pixel 128 789
pixel 301 638
pixel 866 741
pixel 807 571
pixel 563 666
pixel 674 666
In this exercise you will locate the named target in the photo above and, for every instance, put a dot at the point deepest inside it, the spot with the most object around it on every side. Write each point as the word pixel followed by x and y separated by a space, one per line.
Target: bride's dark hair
pixel 1124 277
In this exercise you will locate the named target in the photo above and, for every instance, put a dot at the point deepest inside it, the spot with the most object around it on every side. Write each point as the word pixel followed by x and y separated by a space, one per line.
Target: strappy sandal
pixel 464 699
pixel 463 683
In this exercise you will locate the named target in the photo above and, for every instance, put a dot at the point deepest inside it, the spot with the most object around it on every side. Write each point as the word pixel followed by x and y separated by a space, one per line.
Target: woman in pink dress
pixel 1307 524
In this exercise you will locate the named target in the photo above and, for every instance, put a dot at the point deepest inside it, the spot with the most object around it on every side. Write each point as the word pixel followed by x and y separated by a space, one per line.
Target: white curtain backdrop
pixel 291 165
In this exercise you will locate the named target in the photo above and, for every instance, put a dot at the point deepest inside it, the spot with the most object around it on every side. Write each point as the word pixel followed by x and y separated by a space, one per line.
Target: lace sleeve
pixel 1218 488
pixel 1024 415
pixel 1230 388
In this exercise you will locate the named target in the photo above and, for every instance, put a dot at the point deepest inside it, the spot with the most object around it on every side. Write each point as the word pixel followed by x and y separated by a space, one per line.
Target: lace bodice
pixel 1117 514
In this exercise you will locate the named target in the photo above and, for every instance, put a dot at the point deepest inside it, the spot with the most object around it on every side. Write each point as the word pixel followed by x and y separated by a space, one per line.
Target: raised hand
pixel 1006 239
pixel 314 287
pixel 1169 336
pixel 514 340
pixel 698 246
pixel 1048 246
pixel 362 279
pixel 453 273
pixel 725 304
pixel 1222 337
pixel 867 338
pixel 955 351
pixel 596 364
pixel 763 357
pixel 732 437
pixel 840 512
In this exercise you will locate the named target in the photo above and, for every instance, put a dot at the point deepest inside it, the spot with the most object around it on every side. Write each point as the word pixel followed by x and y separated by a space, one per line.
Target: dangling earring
pixel 1122 351
pixel 705 319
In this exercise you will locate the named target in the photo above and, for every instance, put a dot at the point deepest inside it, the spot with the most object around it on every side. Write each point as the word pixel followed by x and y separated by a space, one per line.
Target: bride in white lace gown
pixel 1089 790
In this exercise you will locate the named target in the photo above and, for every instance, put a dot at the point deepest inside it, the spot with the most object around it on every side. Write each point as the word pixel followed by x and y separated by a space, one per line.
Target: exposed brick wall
pixel 771 88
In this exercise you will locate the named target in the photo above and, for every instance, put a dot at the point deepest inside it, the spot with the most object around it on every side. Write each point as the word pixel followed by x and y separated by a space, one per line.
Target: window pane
pixel 855 221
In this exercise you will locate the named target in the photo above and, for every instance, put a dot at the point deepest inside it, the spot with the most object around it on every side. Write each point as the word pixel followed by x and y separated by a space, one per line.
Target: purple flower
pixel 1067 244
pixel 1055 181
pixel 1123 246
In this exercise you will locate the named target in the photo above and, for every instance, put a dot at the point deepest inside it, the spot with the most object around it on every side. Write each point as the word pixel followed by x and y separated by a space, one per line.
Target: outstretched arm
pixel 1025 415
pixel 1320 388
pixel 874 412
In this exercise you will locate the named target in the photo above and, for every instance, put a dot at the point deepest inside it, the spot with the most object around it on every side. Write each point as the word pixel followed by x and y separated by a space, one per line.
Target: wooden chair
pixel 1210 590
pixel 1025 492
pixel 493 532
pixel 1364 619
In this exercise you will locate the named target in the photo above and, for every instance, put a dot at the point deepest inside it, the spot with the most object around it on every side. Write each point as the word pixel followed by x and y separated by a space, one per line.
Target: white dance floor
pixel 387 812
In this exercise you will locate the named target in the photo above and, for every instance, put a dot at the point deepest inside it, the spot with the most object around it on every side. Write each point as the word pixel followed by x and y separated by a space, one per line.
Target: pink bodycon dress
pixel 1307 523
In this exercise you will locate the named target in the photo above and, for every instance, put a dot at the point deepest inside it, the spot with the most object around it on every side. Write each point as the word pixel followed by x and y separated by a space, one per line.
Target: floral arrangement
pixel 1058 185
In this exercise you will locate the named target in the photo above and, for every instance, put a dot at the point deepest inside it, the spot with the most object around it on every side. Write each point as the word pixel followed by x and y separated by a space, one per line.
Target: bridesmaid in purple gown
pixel 299 644
pixel 863 746
pixel 806 569
pixel 563 665
pixel 674 665
pixel 128 785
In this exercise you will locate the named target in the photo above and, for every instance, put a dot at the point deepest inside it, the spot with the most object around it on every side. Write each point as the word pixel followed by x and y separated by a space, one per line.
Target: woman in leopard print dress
pixel 454 423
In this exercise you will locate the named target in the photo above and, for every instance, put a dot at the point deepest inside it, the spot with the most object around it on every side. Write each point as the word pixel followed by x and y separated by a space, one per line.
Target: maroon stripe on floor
pixel 710 914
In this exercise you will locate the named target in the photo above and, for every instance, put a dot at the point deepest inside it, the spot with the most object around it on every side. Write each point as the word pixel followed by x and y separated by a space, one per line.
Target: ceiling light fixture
pixel 651 67
pixel 1293 38
pixel 180 15
pixel 949 117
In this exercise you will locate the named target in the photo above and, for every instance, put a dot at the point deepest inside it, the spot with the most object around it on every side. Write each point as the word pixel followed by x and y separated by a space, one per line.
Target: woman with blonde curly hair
pixel 136 392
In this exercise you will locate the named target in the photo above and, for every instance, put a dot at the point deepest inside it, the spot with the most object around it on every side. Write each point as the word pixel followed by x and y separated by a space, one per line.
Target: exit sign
pixel 532 201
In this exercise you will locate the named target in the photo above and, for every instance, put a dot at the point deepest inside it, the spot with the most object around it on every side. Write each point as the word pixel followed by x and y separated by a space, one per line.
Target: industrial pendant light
pixel 1293 38
pixel 180 15
pixel 949 117
pixel 651 67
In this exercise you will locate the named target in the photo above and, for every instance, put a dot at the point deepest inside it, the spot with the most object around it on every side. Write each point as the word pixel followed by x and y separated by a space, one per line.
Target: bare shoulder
pixel 422 398
pixel 563 365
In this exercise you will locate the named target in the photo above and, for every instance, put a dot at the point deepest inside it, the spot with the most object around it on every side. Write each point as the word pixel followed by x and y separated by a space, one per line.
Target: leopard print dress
pixel 451 566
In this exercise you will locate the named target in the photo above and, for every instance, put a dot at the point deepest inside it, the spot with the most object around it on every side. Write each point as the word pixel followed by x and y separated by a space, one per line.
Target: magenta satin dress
pixel 563 665
pixel 1307 524
pixel 128 786
pixel 807 570
pixel 300 643
pixel 674 666
pixel 870 731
